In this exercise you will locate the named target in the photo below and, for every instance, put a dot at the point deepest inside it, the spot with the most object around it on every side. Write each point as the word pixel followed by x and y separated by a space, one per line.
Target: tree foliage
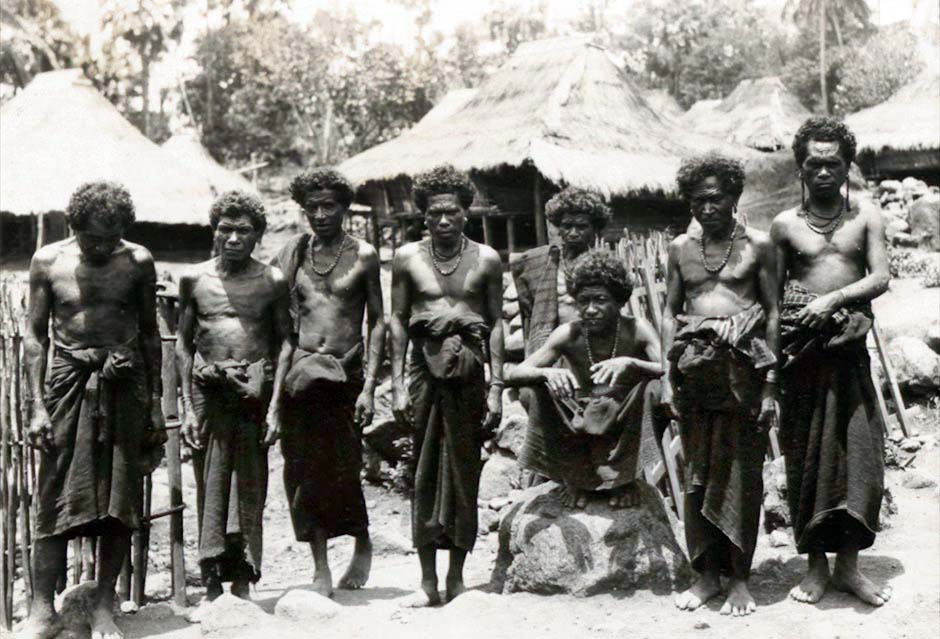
pixel 34 38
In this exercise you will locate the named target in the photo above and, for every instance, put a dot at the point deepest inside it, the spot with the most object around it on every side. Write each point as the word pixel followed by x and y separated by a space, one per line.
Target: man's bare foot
pixel 102 624
pixel 455 588
pixel 739 603
pixel 572 497
pixel 846 577
pixel 814 584
pixel 323 582
pixel 701 591
pixel 213 589
pixel 40 625
pixel 625 497
pixel 357 574
pixel 428 596
pixel 240 589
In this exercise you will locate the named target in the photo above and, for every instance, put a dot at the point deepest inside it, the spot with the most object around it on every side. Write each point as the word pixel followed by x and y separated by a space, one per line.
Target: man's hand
pixel 817 313
pixel 561 382
pixel 272 427
pixel 667 401
pixel 769 409
pixel 401 407
pixel 40 434
pixel 193 430
pixel 365 409
pixel 494 410
pixel 609 371
pixel 156 435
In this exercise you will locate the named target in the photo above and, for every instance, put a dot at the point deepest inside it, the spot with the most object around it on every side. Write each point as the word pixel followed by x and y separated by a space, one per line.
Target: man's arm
pixel 779 238
pixel 675 299
pixel 769 292
pixel 185 350
pixel 398 322
pixel 36 343
pixel 494 310
pixel 613 370
pixel 538 367
pixel 282 334
pixel 149 331
pixel 876 263
pixel 375 313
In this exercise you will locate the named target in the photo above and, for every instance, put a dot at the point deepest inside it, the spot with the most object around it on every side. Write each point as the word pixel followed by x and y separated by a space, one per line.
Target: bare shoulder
pixel 565 334
pixel 46 255
pixel 194 272
pixel 870 213
pixel 366 253
pixel 679 242
pixel 489 257
pixel 759 239
pixel 139 254
pixel 271 274
pixel 641 327
pixel 782 222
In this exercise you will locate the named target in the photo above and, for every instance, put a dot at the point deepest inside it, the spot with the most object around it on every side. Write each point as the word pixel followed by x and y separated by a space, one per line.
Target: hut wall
pixel 18 233
pixel 172 242
pixel 920 163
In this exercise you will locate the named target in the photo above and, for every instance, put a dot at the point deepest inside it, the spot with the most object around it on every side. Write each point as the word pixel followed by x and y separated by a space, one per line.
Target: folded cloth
pixel 231 399
pixel 97 399
pixel 448 395
pixel 535 274
pixel 830 430
pixel 321 444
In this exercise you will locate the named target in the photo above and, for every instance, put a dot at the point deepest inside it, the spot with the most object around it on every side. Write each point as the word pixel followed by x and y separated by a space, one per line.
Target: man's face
pixel 711 206
pixel 235 238
pixel 824 169
pixel 598 309
pixel 445 218
pixel 98 240
pixel 577 233
pixel 324 213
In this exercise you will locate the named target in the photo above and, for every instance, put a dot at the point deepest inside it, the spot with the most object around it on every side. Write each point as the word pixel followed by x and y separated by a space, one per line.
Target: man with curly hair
pixel 97 419
pixel 579 216
pixel 447 295
pixel 832 262
pixel 720 333
pixel 593 414
pixel 334 283
pixel 233 348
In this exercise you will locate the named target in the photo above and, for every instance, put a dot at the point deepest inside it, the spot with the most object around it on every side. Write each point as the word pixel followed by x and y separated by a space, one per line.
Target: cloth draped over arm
pixel 535 274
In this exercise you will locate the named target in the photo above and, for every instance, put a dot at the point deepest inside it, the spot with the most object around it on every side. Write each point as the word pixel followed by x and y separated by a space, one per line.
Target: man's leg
pixel 113 547
pixel 455 585
pixel 740 602
pixel 427 555
pixel 48 566
pixel 814 584
pixel 697 530
pixel 357 574
pixel 847 578
pixel 322 577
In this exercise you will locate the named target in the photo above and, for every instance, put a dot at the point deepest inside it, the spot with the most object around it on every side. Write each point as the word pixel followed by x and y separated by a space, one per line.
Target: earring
pixel 802 194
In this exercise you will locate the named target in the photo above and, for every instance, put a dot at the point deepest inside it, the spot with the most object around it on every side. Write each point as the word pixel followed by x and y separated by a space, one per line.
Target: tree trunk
pixel 145 87
pixel 835 25
pixel 824 97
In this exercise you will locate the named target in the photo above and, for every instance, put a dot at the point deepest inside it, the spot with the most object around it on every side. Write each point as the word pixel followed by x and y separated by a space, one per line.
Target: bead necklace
pixel 724 262
pixel 831 225
pixel 339 254
pixel 613 351
pixel 434 258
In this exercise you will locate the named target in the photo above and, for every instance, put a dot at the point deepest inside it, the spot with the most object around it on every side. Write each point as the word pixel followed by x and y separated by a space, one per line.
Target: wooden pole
pixel 892 380
pixel 8 545
pixel 40 230
pixel 541 232
pixel 487 230
pixel 511 233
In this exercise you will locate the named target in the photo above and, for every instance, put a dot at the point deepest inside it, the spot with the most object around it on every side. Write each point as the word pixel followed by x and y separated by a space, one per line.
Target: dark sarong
pixel 321 445
pixel 600 461
pixel 97 402
pixel 535 274
pixel 719 364
pixel 231 397
pixel 448 394
pixel 831 433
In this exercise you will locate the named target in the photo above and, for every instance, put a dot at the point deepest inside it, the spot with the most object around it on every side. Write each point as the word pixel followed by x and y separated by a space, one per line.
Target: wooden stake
pixel 8 542
pixel 541 232
pixel 892 381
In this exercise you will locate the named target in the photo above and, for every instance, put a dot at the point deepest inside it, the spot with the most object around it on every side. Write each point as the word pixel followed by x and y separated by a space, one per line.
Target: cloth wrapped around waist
pixel 718 358
pixel 597 413
pixel 248 380
pixel 846 328
pixel 451 345
pixel 308 369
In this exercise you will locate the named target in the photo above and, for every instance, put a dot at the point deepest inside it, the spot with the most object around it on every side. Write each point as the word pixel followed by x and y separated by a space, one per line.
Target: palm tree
pixel 837 12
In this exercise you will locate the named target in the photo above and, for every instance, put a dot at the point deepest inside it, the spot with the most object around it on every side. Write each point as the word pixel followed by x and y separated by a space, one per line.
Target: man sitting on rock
pixel 720 334
pixel 592 412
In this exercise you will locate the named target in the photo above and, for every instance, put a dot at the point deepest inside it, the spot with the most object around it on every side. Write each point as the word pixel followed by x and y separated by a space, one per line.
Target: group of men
pixel 291 351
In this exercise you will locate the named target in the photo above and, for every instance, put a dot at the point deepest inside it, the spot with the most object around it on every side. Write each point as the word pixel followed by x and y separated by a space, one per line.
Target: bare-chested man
pixel 447 300
pixel 832 262
pixel 720 332
pixel 594 409
pixel 97 409
pixel 233 349
pixel 334 283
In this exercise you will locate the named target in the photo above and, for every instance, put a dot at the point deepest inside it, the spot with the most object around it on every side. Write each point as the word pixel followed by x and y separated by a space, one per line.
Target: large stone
pixel 916 366
pixel 75 605
pixel 933 337
pixel 913 188
pixel 500 475
pixel 546 548
pixel 894 227
pixel 510 310
pixel 230 616
pixel 305 606
pixel 889 186
pixel 510 436
pixel 776 510
pixel 924 219
pixel 515 346
pixel 916 480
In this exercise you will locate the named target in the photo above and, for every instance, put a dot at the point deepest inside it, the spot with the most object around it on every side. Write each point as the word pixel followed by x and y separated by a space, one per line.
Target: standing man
pixel 447 300
pixel 96 411
pixel 334 282
pixel 720 332
pixel 832 260
pixel 232 350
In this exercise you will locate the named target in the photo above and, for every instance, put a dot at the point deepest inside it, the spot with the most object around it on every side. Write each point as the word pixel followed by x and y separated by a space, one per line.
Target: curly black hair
pixel 320 179
pixel 108 202
pixel 443 179
pixel 235 203
pixel 693 170
pixel 599 267
pixel 823 128
pixel 575 200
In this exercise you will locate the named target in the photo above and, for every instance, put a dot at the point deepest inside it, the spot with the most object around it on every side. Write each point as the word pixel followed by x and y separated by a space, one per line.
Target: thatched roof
pixel 60 132
pixel 561 105
pixel 662 102
pixel 452 102
pixel 760 114
pixel 186 149
pixel 908 120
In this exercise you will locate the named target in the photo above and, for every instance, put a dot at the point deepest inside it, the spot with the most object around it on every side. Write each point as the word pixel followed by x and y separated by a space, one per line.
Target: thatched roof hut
pixel 662 102
pixel 59 132
pixel 558 112
pixel 185 148
pixel 760 114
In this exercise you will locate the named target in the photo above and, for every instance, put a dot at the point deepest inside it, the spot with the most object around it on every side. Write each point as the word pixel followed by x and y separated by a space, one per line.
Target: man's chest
pixel 808 246
pixel 76 284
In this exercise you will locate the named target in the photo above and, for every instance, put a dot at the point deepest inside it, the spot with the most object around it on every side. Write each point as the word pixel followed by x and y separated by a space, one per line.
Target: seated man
pixel 233 350
pixel 593 413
